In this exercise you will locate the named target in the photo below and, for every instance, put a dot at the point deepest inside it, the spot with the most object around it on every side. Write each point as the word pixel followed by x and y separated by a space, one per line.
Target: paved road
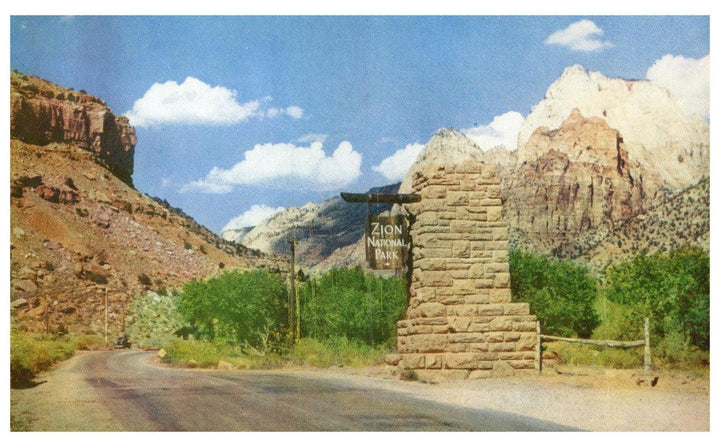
pixel 126 391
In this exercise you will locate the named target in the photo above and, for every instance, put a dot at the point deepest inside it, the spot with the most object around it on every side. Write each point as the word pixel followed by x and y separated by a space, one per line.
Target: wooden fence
pixel 599 343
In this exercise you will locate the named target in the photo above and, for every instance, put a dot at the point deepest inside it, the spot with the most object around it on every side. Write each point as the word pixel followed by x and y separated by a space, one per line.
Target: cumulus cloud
pixel 583 35
pixel 254 216
pixel 396 165
pixel 285 165
pixel 687 78
pixel 502 131
pixel 195 102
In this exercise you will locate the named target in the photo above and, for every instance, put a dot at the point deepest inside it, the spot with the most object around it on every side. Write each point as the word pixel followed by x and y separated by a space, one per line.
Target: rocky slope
pixel 79 230
pixel 319 229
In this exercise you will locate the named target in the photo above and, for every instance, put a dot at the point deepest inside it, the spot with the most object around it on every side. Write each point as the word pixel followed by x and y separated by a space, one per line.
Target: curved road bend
pixel 124 391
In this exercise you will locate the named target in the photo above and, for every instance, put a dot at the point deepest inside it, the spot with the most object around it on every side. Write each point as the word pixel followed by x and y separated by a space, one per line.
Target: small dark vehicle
pixel 122 342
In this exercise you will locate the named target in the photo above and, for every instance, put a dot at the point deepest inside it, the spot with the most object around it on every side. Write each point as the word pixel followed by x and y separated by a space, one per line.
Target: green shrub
pixel 242 309
pixel 352 304
pixel 31 354
pixel 672 289
pixel 560 293
pixel 192 353
pixel 334 352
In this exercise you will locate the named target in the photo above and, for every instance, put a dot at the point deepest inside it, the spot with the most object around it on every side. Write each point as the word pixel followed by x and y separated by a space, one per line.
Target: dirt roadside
pixel 586 399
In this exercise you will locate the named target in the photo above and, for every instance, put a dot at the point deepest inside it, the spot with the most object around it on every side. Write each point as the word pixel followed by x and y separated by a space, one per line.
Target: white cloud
pixel 396 165
pixel 195 102
pixel 254 216
pixel 582 35
pixel 312 137
pixel 295 112
pixel 285 165
pixel 687 78
pixel 503 130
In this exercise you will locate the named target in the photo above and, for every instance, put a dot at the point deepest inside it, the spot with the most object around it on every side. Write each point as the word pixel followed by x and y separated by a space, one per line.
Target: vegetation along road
pixel 128 391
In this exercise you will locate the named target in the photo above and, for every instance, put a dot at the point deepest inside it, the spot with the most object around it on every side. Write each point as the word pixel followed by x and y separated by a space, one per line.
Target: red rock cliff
pixel 42 113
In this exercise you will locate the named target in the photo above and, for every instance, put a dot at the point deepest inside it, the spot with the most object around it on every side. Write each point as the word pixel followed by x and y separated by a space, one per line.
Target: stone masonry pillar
pixel 460 321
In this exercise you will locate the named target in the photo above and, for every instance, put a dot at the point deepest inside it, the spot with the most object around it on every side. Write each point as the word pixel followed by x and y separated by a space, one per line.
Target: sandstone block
pixel 393 358
pixel 466 338
pixel 514 309
pixel 494 213
pixel 459 360
pixel 502 280
pixel 412 362
pixel 480 374
pixel 490 310
pixel 499 347
pixel 459 324
pixel 433 361
pixel 522 365
pixel 495 337
pixel 457 199
pixel 435 192
pixel 432 309
pixel 500 295
pixel 462 310
pixel 502 369
pixel 461 249
pixel 501 323
pixel 462 226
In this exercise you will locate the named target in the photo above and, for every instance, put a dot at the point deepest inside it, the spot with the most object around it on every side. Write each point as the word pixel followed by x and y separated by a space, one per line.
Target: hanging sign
pixel 386 242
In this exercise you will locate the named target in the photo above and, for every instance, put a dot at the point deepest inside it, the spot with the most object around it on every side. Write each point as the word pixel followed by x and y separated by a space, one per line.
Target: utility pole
pixel 291 303
pixel 106 316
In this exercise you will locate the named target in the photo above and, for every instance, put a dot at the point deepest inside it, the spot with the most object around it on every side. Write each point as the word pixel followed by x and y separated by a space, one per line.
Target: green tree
pixel 352 304
pixel 672 289
pixel 243 309
pixel 560 293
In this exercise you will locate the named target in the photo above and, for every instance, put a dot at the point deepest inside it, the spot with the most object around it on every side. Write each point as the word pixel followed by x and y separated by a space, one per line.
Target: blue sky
pixel 276 111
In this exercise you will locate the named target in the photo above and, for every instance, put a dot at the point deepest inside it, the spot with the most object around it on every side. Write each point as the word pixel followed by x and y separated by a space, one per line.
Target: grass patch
pixel 591 356
pixel 33 353
pixel 307 352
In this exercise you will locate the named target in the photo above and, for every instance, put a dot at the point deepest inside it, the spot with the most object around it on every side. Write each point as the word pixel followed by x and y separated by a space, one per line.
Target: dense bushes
pixel 560 293
pixel 347 317
pixel 672 289
pixel 352 304
pixel 32 353
pixel 243 309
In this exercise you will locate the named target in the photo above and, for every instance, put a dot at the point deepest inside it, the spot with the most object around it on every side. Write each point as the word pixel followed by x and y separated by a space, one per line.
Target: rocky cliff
pixel 597 159
pixel 42 113
pixel 79 232
pixel 576 179
pixel 656 132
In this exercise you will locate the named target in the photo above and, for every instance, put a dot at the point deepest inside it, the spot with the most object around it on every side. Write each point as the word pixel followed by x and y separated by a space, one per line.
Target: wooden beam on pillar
pixel 381 198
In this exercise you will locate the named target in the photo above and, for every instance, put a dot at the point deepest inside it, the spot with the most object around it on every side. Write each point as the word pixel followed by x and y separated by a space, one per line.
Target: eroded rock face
pixel 656 132
pixel 575 179
pixel 42 113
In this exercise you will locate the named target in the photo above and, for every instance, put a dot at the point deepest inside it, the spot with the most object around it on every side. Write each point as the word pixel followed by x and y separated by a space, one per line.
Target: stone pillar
pixel 460 321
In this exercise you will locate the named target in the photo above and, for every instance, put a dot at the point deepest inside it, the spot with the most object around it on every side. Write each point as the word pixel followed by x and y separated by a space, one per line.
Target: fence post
pixel 538 351
pixel 647 361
